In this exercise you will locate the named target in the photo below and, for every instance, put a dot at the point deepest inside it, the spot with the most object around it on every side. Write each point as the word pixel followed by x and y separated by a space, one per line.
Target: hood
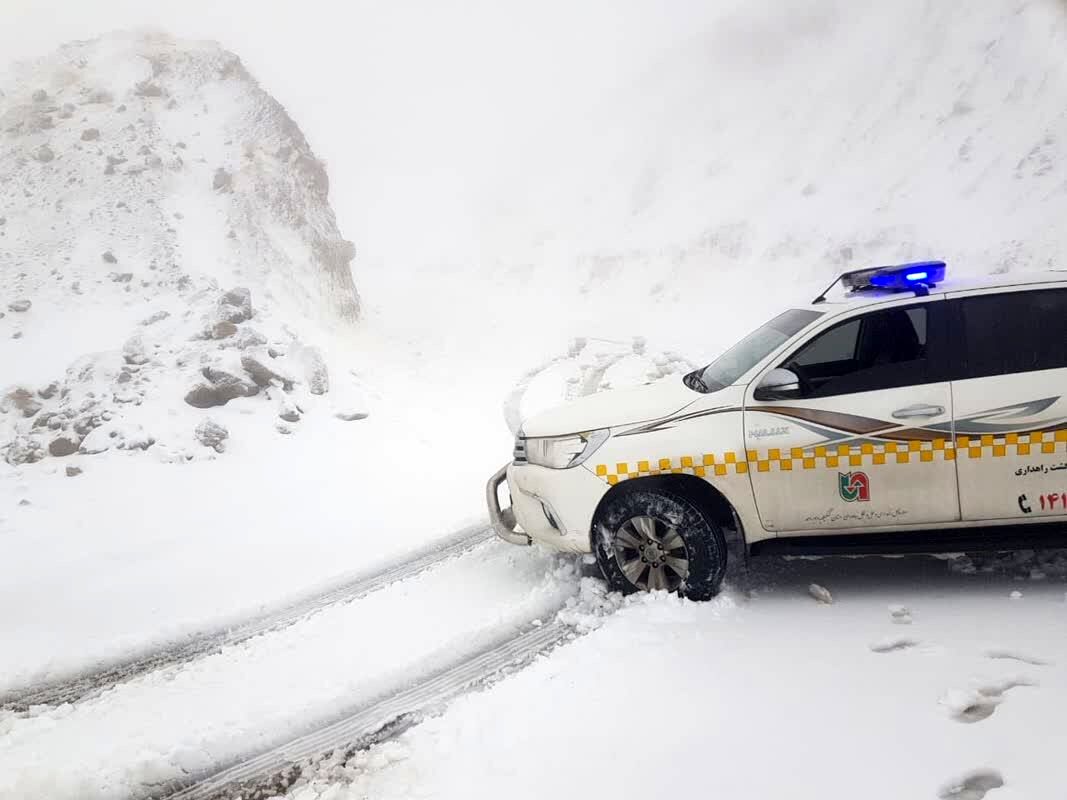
pixel 612 408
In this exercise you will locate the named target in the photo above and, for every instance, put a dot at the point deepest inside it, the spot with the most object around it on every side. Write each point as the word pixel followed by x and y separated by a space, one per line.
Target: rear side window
pixel 1016 332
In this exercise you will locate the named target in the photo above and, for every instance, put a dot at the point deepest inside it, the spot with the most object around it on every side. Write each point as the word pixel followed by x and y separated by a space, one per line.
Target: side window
pixel 1015 332
pixel 880 350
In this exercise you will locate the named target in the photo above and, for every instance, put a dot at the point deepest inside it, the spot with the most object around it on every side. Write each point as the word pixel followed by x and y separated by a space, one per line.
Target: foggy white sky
pixel 416 106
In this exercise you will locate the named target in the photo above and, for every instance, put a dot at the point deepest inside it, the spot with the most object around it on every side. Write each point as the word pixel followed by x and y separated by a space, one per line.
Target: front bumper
pixel 503 520
pixel 551 506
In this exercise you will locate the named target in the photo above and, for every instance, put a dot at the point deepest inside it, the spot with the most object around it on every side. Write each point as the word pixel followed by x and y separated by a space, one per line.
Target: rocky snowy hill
pixel 166 246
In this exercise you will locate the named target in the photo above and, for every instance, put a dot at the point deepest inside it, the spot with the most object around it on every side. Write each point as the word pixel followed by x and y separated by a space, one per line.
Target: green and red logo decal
pixel 854 486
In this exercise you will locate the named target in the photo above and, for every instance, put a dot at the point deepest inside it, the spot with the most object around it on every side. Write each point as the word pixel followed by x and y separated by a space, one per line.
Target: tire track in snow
pixel 271 772
pixel 346 590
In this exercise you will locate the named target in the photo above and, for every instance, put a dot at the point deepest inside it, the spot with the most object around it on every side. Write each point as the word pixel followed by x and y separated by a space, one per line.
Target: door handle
pixel 920 410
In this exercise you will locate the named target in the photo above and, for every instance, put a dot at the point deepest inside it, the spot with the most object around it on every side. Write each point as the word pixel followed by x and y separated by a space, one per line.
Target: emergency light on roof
pixel 909 276
pixel 917 277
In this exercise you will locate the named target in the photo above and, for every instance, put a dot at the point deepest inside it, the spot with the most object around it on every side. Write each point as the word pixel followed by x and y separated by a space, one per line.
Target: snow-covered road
pixel 766 693
pixel 183 720
pixel 342 591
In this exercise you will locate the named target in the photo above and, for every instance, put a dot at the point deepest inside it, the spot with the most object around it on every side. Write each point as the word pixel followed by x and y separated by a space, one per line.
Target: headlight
pixel 561 452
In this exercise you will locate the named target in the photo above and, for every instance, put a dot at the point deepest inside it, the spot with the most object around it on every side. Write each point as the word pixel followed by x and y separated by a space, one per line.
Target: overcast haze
pixel 417 107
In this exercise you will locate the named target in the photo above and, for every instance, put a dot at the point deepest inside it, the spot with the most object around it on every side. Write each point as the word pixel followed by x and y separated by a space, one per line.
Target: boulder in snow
pixel 222 387
pixel 263 375
pixel 223 329
pixel 64 445
pixel 18 306
pixel 223 181
pixel 236 305
pixel 288 410
pixel 20 400
pixel 133 352
pixel 211 434
pixel 24 450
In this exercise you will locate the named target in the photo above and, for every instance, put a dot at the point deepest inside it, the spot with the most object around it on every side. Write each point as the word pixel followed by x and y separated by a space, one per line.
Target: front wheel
pixel 653 539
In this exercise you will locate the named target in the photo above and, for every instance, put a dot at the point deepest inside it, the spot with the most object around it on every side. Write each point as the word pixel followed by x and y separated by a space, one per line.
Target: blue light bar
pixel 909 276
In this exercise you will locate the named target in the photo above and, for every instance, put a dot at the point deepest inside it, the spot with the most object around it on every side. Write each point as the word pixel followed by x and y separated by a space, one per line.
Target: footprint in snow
pixel 974 705
pixel 1017 656
pixel 972 786
pixel 892 645
pixel 900 615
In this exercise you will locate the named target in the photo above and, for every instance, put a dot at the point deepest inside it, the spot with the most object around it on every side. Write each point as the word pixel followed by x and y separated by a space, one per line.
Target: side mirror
pixel 778 384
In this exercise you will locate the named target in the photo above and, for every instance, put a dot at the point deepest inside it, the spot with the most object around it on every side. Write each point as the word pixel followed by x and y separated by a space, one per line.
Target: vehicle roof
pixel 838 300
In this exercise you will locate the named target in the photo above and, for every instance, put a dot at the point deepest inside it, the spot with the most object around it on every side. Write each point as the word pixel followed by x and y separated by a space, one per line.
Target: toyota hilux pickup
pixel 904 413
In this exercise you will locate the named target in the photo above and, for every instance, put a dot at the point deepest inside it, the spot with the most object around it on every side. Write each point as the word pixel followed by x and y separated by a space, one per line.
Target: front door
pixel 1011 405
pixel 866 441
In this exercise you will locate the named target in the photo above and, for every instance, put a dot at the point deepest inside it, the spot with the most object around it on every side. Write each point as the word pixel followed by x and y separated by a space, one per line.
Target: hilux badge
pixel 854 486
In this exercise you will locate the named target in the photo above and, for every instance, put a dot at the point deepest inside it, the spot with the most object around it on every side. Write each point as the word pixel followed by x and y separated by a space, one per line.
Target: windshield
pixel 743 356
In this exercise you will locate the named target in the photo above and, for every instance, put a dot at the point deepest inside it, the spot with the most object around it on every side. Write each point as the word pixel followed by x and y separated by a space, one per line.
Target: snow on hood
pixel 612 408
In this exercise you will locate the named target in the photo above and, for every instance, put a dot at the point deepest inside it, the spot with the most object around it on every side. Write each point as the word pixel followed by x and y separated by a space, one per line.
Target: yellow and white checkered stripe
pixel 843 455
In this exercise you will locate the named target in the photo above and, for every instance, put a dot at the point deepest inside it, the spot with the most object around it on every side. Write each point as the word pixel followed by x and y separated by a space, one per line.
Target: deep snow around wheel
pixel 545 201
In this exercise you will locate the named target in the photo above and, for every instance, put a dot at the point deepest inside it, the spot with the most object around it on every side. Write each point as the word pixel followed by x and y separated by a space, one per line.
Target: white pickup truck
pixel 907 413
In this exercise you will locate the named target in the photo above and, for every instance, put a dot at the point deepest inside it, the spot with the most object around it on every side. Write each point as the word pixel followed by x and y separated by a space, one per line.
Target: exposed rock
pixel 21 400
pixel 133 352
pixel 148 89
pixel 45 419
pixel 283 428
pixel 18 306
pixel 223 388
pixel 90 135
pixel 351 416
pixel 121 277
pixel 49 391
pixel 262 375
pixel 120 437
pixel 222 330
pixel 44 154
pixel 87 423
pixel 108 256
pixel 132 438
pixel 223 181
pixel 159 316
pixel 211 434
pixel 204 395
pixel 246 338
pixel 288 410
pixel 236 305
pixel 39 96
pixel 24 450
pixel 73 471
pixel 64 446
